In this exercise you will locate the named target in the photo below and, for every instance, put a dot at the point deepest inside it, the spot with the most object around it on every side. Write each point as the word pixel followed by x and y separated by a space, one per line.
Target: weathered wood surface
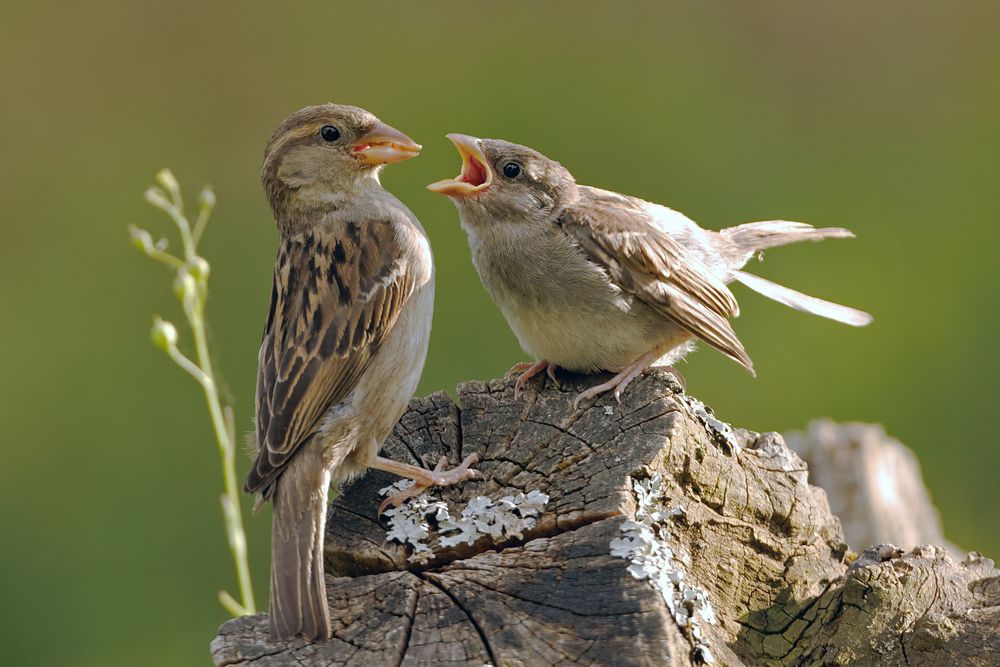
pixel 753 535
pixel 873 483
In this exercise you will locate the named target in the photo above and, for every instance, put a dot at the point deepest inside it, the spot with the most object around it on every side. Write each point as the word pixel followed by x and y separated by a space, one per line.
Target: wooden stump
pixel 667 539
pixel 873 483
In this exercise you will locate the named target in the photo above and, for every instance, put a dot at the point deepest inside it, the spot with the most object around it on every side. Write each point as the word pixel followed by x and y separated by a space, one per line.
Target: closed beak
pixel 384 144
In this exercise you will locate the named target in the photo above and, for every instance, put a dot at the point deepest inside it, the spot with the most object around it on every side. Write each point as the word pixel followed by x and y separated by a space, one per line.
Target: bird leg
pixel 528 370
pixel 622 380
pixel 422 478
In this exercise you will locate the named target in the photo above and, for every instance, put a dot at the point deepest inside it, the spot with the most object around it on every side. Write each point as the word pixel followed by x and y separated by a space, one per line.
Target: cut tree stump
pixel 667 539
pixel 873 483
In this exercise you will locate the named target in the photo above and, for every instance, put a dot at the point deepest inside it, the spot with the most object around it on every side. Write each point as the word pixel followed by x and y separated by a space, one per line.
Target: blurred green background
pixel 882 117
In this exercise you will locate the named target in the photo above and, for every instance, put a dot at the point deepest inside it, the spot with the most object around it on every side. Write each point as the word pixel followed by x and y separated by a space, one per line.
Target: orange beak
pixel 476 173
pixel 384 144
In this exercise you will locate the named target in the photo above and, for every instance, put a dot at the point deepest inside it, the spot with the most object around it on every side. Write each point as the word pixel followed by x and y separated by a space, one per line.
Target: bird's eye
pixel 329 133
pixel 512 170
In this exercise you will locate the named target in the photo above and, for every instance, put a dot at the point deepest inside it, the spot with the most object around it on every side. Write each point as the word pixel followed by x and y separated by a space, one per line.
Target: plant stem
pixel 227 452
pixel 191 287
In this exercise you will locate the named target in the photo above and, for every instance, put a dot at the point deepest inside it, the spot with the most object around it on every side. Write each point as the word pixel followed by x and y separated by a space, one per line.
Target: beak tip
pixel 460 139
pixel 384 144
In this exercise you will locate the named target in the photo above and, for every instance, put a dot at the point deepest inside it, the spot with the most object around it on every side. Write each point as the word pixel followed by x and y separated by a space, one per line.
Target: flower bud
pixel 199 268
pixel 163 334
pixel 141 239
pixel 185 286
pixel 157 198
pixel 207 198
pixel 165 179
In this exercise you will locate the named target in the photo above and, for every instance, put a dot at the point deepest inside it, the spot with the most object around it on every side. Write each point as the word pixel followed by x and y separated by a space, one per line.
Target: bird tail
pixel 756 236
pixel 804 302
pixel 298 589
pixel 752 237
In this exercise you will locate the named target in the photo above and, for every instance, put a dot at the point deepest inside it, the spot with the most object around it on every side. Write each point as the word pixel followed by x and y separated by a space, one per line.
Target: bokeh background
pixel 882 117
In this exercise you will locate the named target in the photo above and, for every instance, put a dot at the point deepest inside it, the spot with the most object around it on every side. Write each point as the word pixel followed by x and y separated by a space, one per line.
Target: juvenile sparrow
pixel 344 342
pixel 591 280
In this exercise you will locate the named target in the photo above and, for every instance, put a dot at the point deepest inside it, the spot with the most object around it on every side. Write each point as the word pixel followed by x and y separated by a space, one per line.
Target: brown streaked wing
pixel 336 296
pixel 644 261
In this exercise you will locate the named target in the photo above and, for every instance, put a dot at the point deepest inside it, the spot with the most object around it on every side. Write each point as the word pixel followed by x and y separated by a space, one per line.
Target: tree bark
pixel 667 539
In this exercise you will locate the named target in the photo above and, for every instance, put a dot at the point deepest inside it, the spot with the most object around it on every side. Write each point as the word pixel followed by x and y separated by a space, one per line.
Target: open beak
pixel 476 174
pixel 384 144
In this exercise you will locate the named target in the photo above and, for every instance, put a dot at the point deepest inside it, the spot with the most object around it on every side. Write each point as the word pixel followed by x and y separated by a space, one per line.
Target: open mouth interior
pixel 476 176
pixel 473 171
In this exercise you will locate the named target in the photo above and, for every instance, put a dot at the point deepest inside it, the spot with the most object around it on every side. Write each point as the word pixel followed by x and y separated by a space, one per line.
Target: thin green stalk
pixel 227 451
pixel 191 288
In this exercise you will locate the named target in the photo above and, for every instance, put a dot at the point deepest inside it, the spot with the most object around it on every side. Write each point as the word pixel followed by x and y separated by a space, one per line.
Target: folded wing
pixel 647 263
pixel 336 295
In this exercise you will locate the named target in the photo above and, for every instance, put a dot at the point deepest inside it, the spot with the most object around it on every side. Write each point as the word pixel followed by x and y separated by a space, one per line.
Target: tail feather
pixel 756 236
pixel 743 241
pixel 298 589
pixel 803 302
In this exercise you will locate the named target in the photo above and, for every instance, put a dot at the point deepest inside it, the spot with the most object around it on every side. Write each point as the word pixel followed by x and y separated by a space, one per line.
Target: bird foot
pixel 424 479
pixel 529 370
pixel 619 382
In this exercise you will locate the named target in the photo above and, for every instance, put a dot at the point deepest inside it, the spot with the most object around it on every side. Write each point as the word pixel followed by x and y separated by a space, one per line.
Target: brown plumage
pixel 320 334
pixel 655 268
pixel 592 280
pixel 344 341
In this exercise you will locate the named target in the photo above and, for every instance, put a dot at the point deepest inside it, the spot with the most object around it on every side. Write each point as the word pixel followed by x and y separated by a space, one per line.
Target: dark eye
pixel 512 170
pixel 329 133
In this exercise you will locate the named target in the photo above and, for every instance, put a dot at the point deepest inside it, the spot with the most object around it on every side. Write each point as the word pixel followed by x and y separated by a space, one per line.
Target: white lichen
pixel 408 522
pixel 713 423
pixel 644 545
pixel 418 521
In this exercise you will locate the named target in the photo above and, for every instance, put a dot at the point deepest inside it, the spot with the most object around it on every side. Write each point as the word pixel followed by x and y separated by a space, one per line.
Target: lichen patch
pixel 716 426
pixel 644 544
pixel 420 520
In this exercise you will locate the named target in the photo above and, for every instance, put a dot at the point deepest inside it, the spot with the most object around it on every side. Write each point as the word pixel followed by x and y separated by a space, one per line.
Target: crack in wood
pixel 430 579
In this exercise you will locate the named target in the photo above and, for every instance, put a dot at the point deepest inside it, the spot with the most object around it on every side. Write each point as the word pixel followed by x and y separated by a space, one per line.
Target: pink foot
pixel 529 370
pixel 424 479
pixel 619 382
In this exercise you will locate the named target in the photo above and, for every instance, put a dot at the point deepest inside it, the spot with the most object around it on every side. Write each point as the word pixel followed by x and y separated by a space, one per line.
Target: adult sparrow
pixel 344 342
pixel 592 280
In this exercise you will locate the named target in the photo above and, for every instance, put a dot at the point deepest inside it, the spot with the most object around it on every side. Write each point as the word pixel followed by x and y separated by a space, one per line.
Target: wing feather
pixel 646 262
pixel 337 294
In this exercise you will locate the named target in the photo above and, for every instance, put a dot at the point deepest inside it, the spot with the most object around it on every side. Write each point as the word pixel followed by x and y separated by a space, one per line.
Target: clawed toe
pixel 520 367
pixel 622 380
pixel 519 384
pixel 617 383
pixel 439 477
pixel 584 395
pixel 398 499
pixel 530 370
pixel 460 473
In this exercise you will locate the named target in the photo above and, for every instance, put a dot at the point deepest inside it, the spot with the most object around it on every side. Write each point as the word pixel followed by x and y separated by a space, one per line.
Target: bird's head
pixel 326 151
pixel 501 180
